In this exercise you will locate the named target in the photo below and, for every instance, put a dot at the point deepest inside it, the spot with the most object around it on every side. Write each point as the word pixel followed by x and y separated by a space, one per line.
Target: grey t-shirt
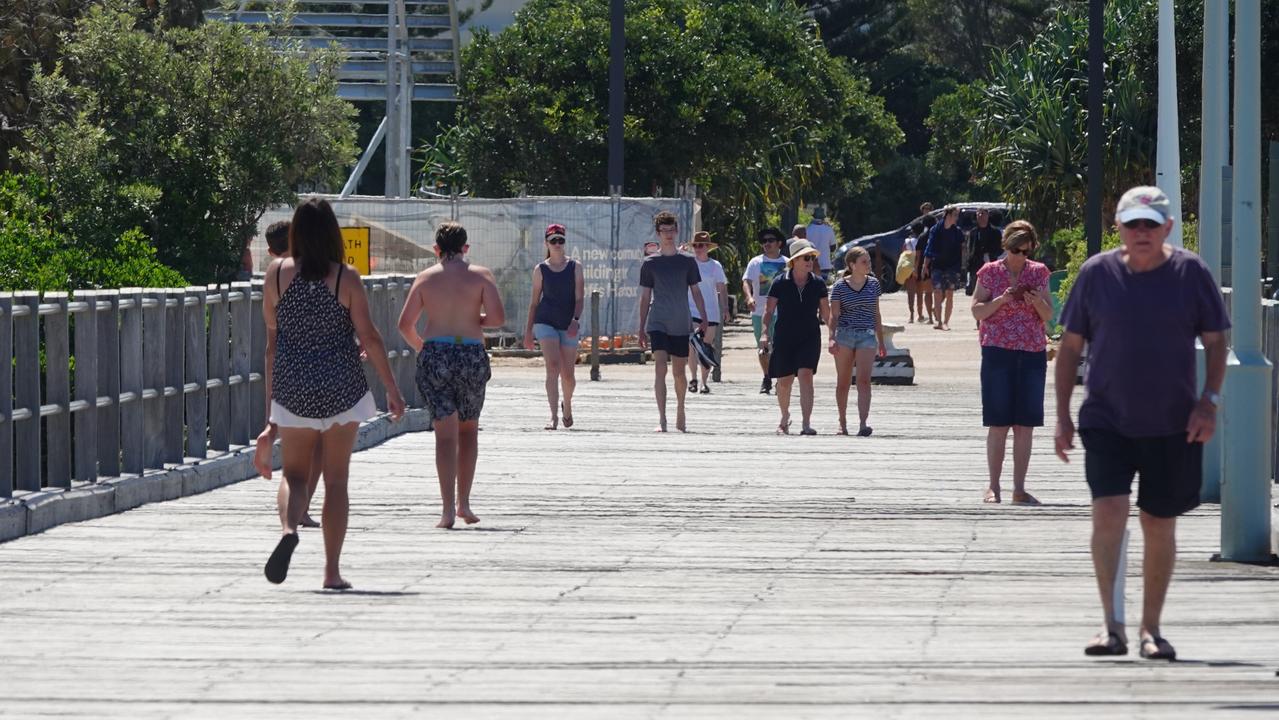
pixel 1141 329
pixel 669 276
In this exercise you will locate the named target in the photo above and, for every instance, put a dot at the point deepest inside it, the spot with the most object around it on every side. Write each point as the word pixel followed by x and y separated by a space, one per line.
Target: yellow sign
pixel 355 244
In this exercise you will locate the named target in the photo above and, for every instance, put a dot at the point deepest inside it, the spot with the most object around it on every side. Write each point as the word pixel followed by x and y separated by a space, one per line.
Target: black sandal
pixel 1108 644
pixel 1155 647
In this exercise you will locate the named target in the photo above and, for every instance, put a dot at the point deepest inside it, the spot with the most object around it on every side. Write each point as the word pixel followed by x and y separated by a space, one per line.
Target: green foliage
pixel 1025 129
pixel 36 254
pixel 738 96
pixel 1075 246
pixel 189 134
pixel 961 33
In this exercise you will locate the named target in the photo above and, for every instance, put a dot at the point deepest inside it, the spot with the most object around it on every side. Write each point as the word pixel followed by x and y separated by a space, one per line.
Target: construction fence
pixel 605 234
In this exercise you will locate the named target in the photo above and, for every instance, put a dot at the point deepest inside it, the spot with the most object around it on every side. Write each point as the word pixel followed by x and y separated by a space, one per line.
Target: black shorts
pixel 698 321
pixel 1170 469
pixel 789 357
pixel 673 345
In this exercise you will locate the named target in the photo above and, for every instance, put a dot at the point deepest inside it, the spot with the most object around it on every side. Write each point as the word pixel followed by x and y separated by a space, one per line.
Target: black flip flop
pixel 1114 645
pixel 277 566
pixel 1160 649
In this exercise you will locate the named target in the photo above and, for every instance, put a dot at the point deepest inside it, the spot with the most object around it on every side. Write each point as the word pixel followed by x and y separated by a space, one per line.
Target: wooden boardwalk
pixel 617 574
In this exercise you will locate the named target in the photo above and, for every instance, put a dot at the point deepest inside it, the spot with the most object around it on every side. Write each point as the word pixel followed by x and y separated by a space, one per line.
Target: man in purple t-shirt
pixel 1139 308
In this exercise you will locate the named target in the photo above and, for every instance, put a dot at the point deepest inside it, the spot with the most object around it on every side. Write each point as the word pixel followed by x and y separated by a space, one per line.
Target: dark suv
pixel 885 247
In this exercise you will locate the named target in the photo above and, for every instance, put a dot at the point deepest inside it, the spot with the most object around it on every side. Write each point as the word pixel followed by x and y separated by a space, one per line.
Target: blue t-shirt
pixel 945 247
pixel 1141 329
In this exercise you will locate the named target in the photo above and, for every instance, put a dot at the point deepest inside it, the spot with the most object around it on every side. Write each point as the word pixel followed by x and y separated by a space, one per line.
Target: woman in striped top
pixel 856 333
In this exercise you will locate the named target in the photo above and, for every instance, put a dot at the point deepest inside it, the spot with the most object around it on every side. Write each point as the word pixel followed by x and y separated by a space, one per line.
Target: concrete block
pixel 218 472
pixel 49 508
pixel 134 490
pixel 13 520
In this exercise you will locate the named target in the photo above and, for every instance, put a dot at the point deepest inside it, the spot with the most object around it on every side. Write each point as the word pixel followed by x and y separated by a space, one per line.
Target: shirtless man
pixel 460 300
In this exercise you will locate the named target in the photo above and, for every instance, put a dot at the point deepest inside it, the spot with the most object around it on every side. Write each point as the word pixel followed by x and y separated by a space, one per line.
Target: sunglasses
pixel 555 239
pixel 770 239
pixel 1020 250
pixel 1143 223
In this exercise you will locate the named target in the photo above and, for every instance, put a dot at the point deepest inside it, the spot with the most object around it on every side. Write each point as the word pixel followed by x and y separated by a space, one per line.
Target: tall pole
pixel 616 94
pixel 1272 245
pixel 1215 116
pixel 393 119
pixel 1168 160
pixel 1245 483
pixel 1096 83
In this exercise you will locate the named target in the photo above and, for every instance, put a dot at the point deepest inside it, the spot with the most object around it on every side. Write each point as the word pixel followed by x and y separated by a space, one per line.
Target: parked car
pixel 885 247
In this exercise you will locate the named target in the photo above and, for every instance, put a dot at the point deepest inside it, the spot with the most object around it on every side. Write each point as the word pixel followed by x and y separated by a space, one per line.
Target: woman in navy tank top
pixel 554 320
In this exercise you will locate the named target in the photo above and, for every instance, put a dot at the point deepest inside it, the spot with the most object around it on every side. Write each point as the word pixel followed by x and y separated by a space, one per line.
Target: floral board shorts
pixel 451 377
pixel 948 279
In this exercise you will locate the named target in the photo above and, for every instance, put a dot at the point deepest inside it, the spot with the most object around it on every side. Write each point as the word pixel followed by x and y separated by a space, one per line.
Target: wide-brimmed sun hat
pixel 701 237
pixel 800 248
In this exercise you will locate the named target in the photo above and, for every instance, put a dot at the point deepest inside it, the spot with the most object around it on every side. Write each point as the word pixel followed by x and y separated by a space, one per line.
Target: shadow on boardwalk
pixel 723 573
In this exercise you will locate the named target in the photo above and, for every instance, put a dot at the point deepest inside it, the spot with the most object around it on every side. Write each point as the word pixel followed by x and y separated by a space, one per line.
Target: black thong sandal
pixel 277 566
pixel 1106 643
pixel 1155 647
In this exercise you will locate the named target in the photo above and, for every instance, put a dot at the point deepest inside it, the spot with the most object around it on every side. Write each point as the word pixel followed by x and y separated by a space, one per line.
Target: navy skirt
pixel 1012 387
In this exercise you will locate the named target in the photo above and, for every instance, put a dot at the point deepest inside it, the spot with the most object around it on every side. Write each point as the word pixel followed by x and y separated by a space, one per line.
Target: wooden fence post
pixel 131 380
pixel 219 370
pixel 86 388
pixel 6 396
pixel 197 373
pixel 595 335
pixel 174 375
pixel 153 378
pixel 57 391
pixel 241 337
pixel 26 390
pixel 370 375
pixel 257 360
pixel 108 322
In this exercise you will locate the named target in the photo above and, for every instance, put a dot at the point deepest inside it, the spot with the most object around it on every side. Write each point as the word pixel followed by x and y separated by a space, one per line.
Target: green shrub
pixel 37 253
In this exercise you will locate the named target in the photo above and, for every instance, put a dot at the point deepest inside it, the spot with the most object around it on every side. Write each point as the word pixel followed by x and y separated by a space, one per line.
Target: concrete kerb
pixel 39 511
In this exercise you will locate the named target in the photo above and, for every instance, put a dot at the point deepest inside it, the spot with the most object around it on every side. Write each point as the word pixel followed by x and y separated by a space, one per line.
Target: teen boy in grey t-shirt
pixel 666 280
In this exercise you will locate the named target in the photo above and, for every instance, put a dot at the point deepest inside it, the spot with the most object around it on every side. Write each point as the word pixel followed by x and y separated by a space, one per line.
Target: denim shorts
pixel 1012 387
pixel 542 331
pixel 857 338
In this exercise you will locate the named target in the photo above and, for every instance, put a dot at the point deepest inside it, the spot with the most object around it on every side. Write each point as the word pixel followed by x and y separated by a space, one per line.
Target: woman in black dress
pixel 798 299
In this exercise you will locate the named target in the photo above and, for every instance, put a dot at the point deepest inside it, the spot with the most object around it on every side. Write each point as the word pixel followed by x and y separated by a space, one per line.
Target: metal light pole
pixel 616 95
pixel 1214 146
pixel 1245 482
pixel 1168 160
pixel 1096 81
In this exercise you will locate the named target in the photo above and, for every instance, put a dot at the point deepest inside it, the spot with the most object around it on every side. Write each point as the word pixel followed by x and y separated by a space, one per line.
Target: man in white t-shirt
pixel 822 236
pixel 714 286
pixel 756 282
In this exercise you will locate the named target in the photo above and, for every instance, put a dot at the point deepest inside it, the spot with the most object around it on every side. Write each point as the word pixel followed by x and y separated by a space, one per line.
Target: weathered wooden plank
pixel 6 395
pixel 219 368
pixel 197 372
pixel 154 347
pixel 86 388
pixel 241 346
pixel 26 391
pixel 257 362
pixel 174 375
pixel 57 384
pixel 371 289
pixel 131 381
pixel 108 359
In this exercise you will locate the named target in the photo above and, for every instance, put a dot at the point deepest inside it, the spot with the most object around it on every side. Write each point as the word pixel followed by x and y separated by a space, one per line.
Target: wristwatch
pixel 1212 397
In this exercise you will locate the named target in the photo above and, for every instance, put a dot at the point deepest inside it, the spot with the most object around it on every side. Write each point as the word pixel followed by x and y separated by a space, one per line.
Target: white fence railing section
pixel 105 383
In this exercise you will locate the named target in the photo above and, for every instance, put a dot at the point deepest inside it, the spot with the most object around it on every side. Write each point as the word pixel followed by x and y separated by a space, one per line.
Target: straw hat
pixel 800 248
pixel 701 237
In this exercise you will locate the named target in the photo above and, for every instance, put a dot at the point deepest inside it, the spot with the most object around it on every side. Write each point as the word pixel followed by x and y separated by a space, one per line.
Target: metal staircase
pixel 393 51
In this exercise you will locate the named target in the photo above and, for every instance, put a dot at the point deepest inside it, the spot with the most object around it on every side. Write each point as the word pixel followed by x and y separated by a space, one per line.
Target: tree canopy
pixel 188 133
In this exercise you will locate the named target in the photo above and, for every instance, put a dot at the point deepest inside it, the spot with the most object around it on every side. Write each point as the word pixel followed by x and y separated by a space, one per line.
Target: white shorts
pixel 361 411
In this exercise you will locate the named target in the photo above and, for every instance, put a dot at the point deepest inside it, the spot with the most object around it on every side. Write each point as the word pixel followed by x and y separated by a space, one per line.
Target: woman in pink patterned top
pixel 1012 306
